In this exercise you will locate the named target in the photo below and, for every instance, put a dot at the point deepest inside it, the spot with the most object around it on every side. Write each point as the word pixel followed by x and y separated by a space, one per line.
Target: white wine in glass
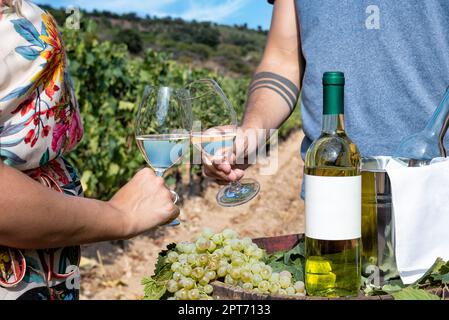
pixel 163 126
pixel 214 135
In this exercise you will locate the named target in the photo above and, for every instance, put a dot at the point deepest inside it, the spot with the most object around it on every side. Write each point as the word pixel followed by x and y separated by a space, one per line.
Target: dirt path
pixel 110 272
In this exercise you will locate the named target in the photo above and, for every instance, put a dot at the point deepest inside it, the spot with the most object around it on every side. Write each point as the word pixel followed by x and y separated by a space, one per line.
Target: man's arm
pixel 275 87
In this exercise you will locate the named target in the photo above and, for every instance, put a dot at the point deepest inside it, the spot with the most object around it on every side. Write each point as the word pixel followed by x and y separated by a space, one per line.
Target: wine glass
pixel 214 133
pixel 162 129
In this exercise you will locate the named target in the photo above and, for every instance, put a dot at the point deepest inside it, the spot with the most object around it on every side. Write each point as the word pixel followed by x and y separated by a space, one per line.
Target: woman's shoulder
pixel 20 31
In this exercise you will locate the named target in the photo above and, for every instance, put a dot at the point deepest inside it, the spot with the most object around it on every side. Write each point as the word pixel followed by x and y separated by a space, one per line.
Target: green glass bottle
pixel 333 202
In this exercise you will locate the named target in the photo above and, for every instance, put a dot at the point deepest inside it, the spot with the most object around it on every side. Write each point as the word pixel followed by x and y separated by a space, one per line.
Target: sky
pixel 252 12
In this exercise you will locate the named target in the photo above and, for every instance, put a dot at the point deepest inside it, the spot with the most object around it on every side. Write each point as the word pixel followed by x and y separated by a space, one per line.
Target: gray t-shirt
pixel 395 56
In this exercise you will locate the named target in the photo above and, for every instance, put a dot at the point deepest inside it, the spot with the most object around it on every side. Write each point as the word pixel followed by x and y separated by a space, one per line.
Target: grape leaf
pixel 164 274
pixel 410 293
pixel 153 289
pixel 161 262
pixel 292 260
pixel 434 269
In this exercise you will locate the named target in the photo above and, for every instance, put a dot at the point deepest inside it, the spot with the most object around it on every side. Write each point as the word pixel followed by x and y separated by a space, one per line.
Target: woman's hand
pixel 145 203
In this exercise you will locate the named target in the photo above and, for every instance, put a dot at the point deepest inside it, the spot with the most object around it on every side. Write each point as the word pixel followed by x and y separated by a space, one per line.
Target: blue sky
pixel 252 12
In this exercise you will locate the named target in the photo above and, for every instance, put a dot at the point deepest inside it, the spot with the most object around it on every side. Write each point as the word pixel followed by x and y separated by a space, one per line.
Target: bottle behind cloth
pixel 420 148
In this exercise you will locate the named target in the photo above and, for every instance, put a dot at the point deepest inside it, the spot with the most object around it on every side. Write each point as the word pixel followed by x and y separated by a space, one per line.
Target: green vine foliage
pixel 108 83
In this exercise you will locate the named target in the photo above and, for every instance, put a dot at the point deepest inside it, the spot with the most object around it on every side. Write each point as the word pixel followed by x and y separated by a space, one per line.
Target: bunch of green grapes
pixel 222 256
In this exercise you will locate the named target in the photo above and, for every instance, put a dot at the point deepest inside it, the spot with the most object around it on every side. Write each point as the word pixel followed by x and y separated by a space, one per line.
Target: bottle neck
pixel 438 123
pixel 333 123
pixel 333 109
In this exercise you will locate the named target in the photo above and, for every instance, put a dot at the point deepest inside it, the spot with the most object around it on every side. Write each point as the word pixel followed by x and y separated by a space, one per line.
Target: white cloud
pixel 204 10
pixel 211 10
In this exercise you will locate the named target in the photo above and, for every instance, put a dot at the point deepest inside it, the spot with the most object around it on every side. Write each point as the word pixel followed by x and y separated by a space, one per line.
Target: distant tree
pixel 259 29
pixel 207 35
pixel 131 16
pixel 131 38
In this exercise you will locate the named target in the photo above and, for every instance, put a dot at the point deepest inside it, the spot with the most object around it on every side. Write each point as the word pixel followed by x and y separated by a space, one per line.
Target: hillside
pixel 227 49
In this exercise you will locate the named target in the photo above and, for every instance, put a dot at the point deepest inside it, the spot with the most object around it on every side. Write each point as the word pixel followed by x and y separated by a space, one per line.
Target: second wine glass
pixel 214 132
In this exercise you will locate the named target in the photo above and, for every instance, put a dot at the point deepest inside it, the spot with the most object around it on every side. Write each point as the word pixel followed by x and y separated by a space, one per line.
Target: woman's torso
pixel 39 123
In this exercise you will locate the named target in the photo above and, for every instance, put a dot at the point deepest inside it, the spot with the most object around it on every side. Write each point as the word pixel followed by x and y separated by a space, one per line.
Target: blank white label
pixel 333 207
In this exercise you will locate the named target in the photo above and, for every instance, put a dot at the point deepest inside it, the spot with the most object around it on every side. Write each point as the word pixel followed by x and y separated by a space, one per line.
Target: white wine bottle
pixel 333 202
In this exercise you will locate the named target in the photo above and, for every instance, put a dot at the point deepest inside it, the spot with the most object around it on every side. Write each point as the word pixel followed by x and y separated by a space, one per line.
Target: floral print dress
pixel 39 123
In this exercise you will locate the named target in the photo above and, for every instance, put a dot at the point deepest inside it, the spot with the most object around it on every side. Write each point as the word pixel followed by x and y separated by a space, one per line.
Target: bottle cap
pixel 333 78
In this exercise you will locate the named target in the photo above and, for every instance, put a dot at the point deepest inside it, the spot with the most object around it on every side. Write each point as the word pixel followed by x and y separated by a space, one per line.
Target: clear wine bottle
pixel 420 148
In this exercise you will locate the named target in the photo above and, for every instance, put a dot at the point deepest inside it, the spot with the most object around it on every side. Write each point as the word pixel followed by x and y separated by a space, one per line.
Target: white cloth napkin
pixel 420 197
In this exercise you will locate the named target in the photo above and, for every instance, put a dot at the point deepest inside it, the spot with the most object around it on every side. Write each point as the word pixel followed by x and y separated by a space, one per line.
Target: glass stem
pixel 235 186
pixel 160 173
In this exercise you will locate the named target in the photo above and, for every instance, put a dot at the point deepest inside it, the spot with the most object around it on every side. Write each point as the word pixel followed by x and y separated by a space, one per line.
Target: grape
pixel 235 273
pixel 212 246
pixel 247 286
pixel 211 275
pixel 258 254
pixel 207 233
pixel 203 260
pixel 256 268
pixel 198 273
pixel 175 266
pixel 274 277
pixel 274 288
pixel 202 244
pixel 223 262
pixel 290 291
pixel 227 251
pixel 172 256
pixel 247 242
pixel 213 265
pixel 229 280
pixel 264 286
pixel 182 294
pixel 265 272
pixel 190 248
pixel 176 276
pixel 217 239
pixel 284 281
pixel 285 273
pixel 218 253
pixel 246 276
pixel 187 283
pixel 249 251
pixel 181 247
pixel 257 278
pixel 204 281
pixel 194 294
pixel 282 291
pixel 192 258
pixel 229 234
pixel 222 271
pixel 172 286
pixel 299 286
pixel 182 258
pixel 186 270
pixel 208 289
pixel 236 245
pixel 237 262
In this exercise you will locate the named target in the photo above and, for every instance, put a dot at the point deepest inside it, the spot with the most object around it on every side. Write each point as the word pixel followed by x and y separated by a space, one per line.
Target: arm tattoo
pixel 277 83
